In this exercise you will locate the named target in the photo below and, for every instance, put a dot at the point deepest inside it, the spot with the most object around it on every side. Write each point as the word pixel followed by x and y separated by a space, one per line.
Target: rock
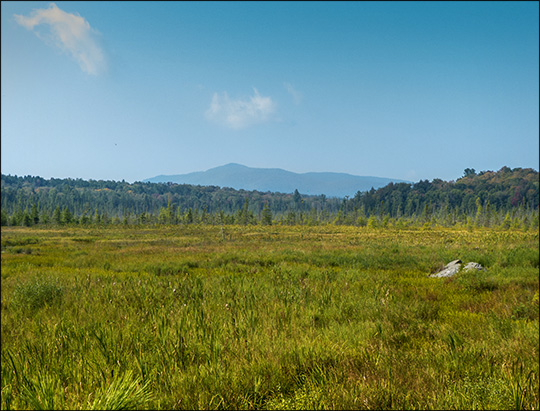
pixel 453 267
pixel 453 263
pixel 473 266
pixel 449 269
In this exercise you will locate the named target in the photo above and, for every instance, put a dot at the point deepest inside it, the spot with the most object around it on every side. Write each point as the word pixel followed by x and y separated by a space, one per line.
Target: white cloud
pixel 238 114
pixel 70 33
pixel 297 96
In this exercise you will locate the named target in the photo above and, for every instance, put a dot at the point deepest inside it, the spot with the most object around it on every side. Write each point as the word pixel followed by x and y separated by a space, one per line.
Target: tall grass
pixel 268 317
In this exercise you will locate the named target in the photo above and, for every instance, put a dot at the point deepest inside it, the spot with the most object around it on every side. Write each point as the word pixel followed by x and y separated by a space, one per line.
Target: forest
pixel 507 197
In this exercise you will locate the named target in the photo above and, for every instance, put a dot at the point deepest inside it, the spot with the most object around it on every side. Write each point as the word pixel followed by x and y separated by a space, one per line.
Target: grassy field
pixel 193 317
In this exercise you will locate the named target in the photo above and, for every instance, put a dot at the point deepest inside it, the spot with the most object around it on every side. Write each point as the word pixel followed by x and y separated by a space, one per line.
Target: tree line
pixel 508 197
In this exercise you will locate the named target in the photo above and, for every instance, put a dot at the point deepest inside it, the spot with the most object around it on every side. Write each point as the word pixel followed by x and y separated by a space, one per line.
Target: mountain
pixel 239 177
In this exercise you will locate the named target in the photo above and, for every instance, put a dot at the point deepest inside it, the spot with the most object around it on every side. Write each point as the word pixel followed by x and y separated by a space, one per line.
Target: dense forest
pixel 508 197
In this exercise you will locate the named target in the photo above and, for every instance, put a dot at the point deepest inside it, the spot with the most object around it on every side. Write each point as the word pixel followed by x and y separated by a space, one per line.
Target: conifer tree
pixel 84 219
pixel 507 222
pixel 57 215
pixel 479 213
pixel 189 216
pixel 67 217
pixel 34 214
pixel 97 217
pixel 26 220
pixel 5 218
pixel 372 221
pixel 266 215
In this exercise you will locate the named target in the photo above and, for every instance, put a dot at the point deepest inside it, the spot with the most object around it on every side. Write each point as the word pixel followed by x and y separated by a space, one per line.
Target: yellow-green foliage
pixel 272 317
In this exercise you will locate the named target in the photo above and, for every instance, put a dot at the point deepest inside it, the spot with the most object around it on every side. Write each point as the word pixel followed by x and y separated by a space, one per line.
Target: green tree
pixel 297 198
pixel 488 214
pixel 45 218
pixel 372 221
pixel 57 215
pixel 97 217
pixel 266 215
pixel 426 213
pixel 34 214
pixel 290 218
pixel 142 218
pixel 189 216
pixel 507 222
pixel 84 219
pixel 164 215
pixel 26 220
pixel 5 218
pixel 105 219
pixel 479 220
pixel 469 172
pixel 469 224
pixel 67 216
pixel 340 217
pixel 535 221
pixel 243 214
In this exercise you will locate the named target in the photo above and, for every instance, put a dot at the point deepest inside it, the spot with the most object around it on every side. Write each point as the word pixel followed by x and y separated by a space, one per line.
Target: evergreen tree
pixel 479 220
pixel 105 219
pixel 243 216
pixel 97 217
pixel 297 198
pixel 57 216
pixel 34 214
pixel 507 222
pixel 266 215
pixel 16 217
pixel 142 218
pixel 84 219
pixel 163 217
pixel 469 224
pixel 469 172
pixel 189 216
pixel 290 219
pixel 26 220
pixel 67 217
pixel 173 219
pixel 45 218
pixel 5 218
pixel 372 221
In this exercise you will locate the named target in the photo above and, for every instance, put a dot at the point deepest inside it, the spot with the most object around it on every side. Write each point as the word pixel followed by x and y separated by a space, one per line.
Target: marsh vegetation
pixel 271 317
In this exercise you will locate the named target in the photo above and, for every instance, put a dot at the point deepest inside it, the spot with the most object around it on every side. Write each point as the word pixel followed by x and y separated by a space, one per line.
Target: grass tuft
pixel 37 293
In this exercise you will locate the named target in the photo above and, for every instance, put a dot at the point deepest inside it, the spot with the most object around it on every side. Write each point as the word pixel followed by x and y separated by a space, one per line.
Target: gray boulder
pixel 473 266
pixel 453 268
pixel 449 269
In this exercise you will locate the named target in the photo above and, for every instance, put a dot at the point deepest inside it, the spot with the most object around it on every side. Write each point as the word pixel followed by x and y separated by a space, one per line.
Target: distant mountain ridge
pixel 241 177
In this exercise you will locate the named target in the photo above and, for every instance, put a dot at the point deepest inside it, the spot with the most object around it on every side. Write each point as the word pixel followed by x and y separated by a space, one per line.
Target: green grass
pixel 268 318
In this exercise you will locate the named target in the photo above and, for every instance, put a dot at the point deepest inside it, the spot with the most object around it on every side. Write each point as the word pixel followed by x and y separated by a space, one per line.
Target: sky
pixel 407 90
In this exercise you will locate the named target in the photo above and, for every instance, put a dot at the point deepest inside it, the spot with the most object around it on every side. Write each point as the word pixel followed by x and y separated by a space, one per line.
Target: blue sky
pixel 131 90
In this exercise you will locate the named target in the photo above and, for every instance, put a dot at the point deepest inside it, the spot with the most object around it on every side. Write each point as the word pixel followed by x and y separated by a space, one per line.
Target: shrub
pixel 522 256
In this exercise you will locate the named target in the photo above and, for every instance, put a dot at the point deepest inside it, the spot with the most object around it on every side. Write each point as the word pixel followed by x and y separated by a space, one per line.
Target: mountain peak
pixel 231 165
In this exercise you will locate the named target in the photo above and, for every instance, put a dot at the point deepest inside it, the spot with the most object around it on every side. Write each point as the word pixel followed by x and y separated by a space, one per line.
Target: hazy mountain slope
pixel 277 180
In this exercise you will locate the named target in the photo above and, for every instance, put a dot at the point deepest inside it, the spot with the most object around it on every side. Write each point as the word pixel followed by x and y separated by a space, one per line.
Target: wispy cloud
pixel 296 95
pixel 70 33
pixel 238 114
